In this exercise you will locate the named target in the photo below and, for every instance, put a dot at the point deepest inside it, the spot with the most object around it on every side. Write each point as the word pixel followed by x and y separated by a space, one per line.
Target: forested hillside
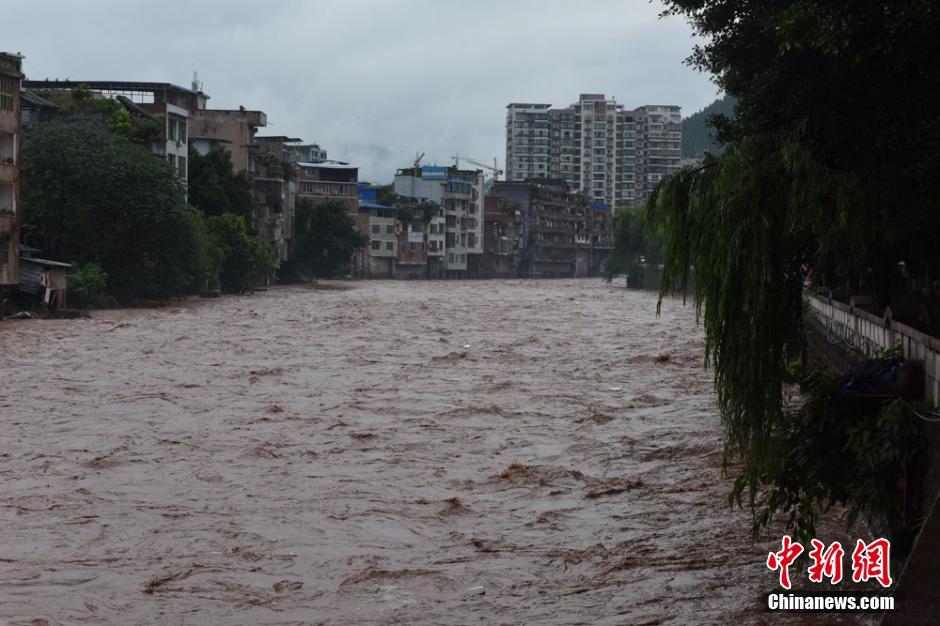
pixel 697 135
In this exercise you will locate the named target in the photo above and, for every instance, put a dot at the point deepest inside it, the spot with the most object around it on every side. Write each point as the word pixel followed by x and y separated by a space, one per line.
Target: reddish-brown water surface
pixel 370 454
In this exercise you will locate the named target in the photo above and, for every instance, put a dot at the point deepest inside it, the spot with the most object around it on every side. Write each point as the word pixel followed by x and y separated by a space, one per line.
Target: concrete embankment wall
pixel 916 593
pixel 870 334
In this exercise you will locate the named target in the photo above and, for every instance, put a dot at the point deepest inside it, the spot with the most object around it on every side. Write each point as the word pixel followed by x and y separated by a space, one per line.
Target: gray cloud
pixel 372 81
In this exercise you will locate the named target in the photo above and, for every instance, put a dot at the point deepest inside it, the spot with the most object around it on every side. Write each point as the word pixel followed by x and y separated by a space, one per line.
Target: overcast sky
pixel 371 81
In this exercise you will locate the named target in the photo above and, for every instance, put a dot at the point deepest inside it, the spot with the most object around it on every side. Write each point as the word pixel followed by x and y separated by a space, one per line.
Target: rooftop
pixel 109 85
pixel 330 165
pixel 373 205
pixel 281 138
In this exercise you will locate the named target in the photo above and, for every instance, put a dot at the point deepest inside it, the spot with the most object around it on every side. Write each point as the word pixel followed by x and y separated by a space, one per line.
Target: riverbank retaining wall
pixel 870 334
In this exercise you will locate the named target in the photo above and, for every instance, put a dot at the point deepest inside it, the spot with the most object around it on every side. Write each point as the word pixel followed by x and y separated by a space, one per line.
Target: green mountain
pixel 697 135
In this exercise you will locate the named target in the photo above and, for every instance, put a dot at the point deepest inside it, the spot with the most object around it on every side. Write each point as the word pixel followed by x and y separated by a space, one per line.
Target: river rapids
pixel 498 452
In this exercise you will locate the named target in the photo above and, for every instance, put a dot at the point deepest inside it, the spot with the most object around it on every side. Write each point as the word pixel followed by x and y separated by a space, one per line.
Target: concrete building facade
pixel 10 79
pixel 308 153
pixel 173 106
pixel 502 223
pixel 233 130
pixel 329 181
pixel 599 148
pixel 560 232
pixel 460 195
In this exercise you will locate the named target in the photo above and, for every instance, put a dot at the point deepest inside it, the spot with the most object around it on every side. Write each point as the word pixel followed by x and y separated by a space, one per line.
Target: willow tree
pixel 831 155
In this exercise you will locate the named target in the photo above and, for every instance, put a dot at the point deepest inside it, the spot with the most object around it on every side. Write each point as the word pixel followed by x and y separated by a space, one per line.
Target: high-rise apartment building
pixel 10 76
pixel 598 147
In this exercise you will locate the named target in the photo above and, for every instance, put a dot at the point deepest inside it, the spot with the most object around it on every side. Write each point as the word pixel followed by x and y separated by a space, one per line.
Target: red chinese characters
pixel 826 563
pixel 872 560
pixel 782 560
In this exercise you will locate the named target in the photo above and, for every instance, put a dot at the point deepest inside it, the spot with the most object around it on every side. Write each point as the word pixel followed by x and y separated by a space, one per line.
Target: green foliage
pixel 244 259
pixel 146 131
pixel 428 210
pixel 274 166
pixel 834 456
pixel 120 122
pixel 742 226
pixel 82 99
pixel 215 188
pixel 87 283
pixel 635 244
pixel 203 258
pixel 816 75
pixel 386 195
pixel 90 195
pixel 820 165
pixel 325 238
pixel 698 133
pixel 406 215
pixel 82 93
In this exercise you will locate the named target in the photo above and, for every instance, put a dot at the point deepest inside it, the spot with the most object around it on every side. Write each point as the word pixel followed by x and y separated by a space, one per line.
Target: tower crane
pixel 494 170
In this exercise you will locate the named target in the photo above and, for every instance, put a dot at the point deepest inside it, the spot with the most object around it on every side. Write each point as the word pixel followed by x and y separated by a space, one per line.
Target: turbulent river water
pixel 496 452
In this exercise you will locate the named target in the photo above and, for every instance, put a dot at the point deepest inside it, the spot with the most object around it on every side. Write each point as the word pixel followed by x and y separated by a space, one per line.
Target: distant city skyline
pixel 372 83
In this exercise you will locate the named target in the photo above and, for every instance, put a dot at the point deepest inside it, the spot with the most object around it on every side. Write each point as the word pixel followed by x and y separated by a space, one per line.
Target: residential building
pixel 658 145
pixel 308 153
pixel 459 194
pixel 560 232
pixel 10 78
pixel 329 181
pixel 380 221
pixel 502 222
pixel 527 141
pixel 614 155
pixel 267 162
pixel 34 109
pixel 419 232
pixel 233 130
pixel 173 106
pixel 413 249
pixel 275 189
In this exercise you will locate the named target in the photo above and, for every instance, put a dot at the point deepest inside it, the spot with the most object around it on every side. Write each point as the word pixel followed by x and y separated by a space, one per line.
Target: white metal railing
pixel 869 334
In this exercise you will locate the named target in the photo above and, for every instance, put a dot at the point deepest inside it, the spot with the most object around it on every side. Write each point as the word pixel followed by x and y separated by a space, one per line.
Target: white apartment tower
pixel 615 156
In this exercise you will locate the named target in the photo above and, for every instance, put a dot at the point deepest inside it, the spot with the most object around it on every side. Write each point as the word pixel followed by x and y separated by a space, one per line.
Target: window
pixel 7 86
pixel 413 246
pixel 171 130
pixel 376 229
pixel 390 229
pixel 389 245
pixel 181 167
pixel 375 245
pixel 182 131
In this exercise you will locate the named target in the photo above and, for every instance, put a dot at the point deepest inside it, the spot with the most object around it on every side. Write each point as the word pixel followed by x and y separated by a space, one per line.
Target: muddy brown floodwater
pixel 497 452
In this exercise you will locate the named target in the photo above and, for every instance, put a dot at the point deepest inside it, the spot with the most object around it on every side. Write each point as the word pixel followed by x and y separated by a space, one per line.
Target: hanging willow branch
pixel 740 228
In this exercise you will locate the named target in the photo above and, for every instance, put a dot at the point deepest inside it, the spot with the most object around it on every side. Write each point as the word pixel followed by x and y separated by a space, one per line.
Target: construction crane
pixel 492 168
pixel 418 158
